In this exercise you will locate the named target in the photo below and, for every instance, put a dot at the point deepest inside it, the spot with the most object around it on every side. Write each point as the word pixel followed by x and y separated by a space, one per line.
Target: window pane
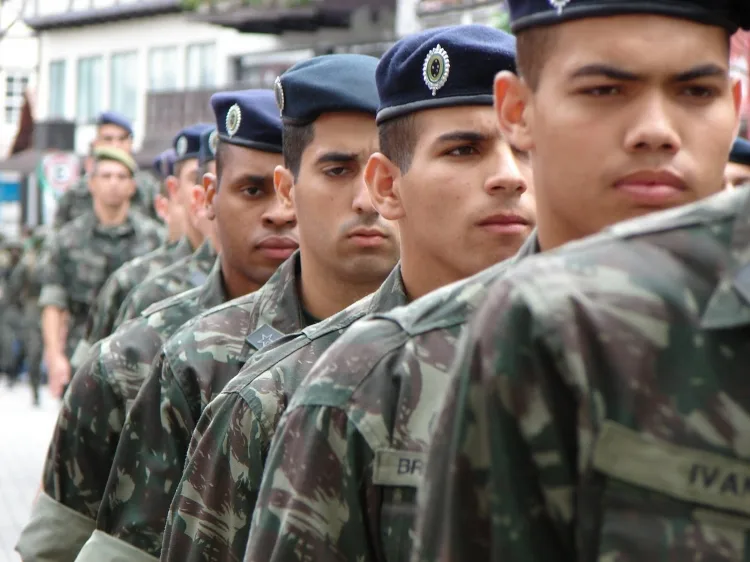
pixel 15 86
pixel 89 88
pixel 57 88
pixel 199 67
pixel 123 84
pixel 162 68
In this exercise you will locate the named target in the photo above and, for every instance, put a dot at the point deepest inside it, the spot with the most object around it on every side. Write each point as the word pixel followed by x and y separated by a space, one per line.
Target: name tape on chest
pixel 398 468
pixel 681 472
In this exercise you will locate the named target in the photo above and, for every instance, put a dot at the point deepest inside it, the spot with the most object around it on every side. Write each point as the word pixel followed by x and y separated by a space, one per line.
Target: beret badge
pixel 278 91
pixel 559 5
pixel 181 146
pixel 233 120
pixel 436 68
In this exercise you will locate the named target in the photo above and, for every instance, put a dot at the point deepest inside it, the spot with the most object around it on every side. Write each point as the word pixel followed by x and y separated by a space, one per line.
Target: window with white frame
pixel 200 65
pixel 123 92
pixel 89 81
pixel 57 83
pixel 15 86
pixel 162 68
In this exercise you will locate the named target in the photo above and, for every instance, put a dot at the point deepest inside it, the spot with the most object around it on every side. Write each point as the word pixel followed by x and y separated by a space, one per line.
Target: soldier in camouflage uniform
pixel 11 317
pixel 341 474
pixel 112 130
pixel 211 512
pixel 600 407
pixel 80 257
pixel 194 159
pixel 737 172
pixel 95 407
pixel 346 252
pixel 102 316
pixel 24 287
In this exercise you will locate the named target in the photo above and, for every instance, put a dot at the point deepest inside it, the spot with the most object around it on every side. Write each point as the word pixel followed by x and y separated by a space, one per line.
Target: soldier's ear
pixel 210 185
pixel 173 186
pixel 513 109
pixel 383 182
pixel 161 206
pixel 283 182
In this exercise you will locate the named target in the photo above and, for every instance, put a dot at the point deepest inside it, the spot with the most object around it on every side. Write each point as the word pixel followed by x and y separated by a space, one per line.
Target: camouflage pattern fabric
pixel 79 258
pixel 94 409
pixel 194 366
pixel 182 275
pixel 341 474
pixel 101 318
pixel 600 408
pixel 212 508
pixel 77 200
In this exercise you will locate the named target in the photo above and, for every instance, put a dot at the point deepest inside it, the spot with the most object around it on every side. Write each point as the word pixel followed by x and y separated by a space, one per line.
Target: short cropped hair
pixel 296 138
pixel 533 47
pixel 398 140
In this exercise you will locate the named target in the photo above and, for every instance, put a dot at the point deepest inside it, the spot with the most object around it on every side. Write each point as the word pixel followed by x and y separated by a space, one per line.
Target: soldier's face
pixel 466 201
pixel 632 114
pixel 340 230
pixel 736 175
pixel 256 232
pixel 112 184
pixel 112 135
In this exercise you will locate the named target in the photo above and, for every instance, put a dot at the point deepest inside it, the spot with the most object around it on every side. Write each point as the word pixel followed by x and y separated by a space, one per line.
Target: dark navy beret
pixel 248 118
pixel 164 163
pixel 442 67
pixel 740 153
pixel 327 84
pixel 207 151
pixel 730 14
pixel 187 143
pixel 114 118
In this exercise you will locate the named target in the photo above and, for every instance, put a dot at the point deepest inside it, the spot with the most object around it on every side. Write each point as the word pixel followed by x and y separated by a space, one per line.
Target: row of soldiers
pixel 486 298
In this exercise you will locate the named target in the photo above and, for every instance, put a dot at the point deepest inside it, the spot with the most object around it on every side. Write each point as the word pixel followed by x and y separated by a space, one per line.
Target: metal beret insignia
pixel 278 91
pixel 213 142
pixel 233 120
pixel 436 68
pixel 559 5
pixel 182 146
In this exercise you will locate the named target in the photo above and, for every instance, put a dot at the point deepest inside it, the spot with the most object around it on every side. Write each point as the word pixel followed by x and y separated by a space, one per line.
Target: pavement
pixel 25 432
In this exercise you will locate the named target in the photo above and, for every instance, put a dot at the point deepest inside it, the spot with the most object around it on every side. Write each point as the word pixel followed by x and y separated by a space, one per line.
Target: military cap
pixel 326 84
pixel 248 118
pixel 187 142
pixel 164 163
pixel 740 153
pixel 115 155
pixel 442 67
pixel 114 118
pixel 730 14
pixel 207 151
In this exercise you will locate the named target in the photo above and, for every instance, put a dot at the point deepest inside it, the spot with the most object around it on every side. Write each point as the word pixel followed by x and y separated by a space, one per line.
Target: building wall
pixel 138 35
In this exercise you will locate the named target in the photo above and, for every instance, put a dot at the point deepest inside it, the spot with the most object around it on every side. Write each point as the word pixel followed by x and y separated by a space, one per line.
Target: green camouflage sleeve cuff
pixel 53 295
pixel 102 546
pixel 54 532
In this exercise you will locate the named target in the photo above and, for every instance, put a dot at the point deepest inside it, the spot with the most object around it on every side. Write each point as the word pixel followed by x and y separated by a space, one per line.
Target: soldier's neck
pixel 111 216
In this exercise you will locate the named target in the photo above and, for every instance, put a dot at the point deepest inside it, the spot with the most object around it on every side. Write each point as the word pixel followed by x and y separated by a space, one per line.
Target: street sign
pixel 61 170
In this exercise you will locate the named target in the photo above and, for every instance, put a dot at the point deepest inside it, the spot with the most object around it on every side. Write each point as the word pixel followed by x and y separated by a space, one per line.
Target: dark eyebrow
pixel 463 136
pixel 337 157
pixel 606 71
pixel 250 179
pixel 702 71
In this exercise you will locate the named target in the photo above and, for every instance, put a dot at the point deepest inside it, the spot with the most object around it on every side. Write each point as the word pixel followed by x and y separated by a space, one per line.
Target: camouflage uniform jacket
pixel 90 422
pixel 212 509
pixel 182 275
pixel 24 285
pixel 78 259
pixel 601 407
pixel 359 425
pixel 194 365
pixel 77 200
pixel 101 319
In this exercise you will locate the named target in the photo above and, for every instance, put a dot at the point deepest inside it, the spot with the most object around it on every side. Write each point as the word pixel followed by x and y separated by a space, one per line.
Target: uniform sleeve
pixel 147 467
pixel 78 462
pixel 53 279
pixel 500 473
pixel 64 204
pixel 127 310
pixel 212 509
pixel 102 314
pixel 313 504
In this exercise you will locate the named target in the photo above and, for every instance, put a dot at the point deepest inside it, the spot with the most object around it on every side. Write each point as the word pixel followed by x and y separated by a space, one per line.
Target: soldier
pixel 80 257
pixel 89 425
pixel 112 130
pixel 24 287
pixel 737 172
pixel 461 197
pixel 178 247
pixel 328 107
pixel 613 133
pixel 11 319
pixel 195 158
